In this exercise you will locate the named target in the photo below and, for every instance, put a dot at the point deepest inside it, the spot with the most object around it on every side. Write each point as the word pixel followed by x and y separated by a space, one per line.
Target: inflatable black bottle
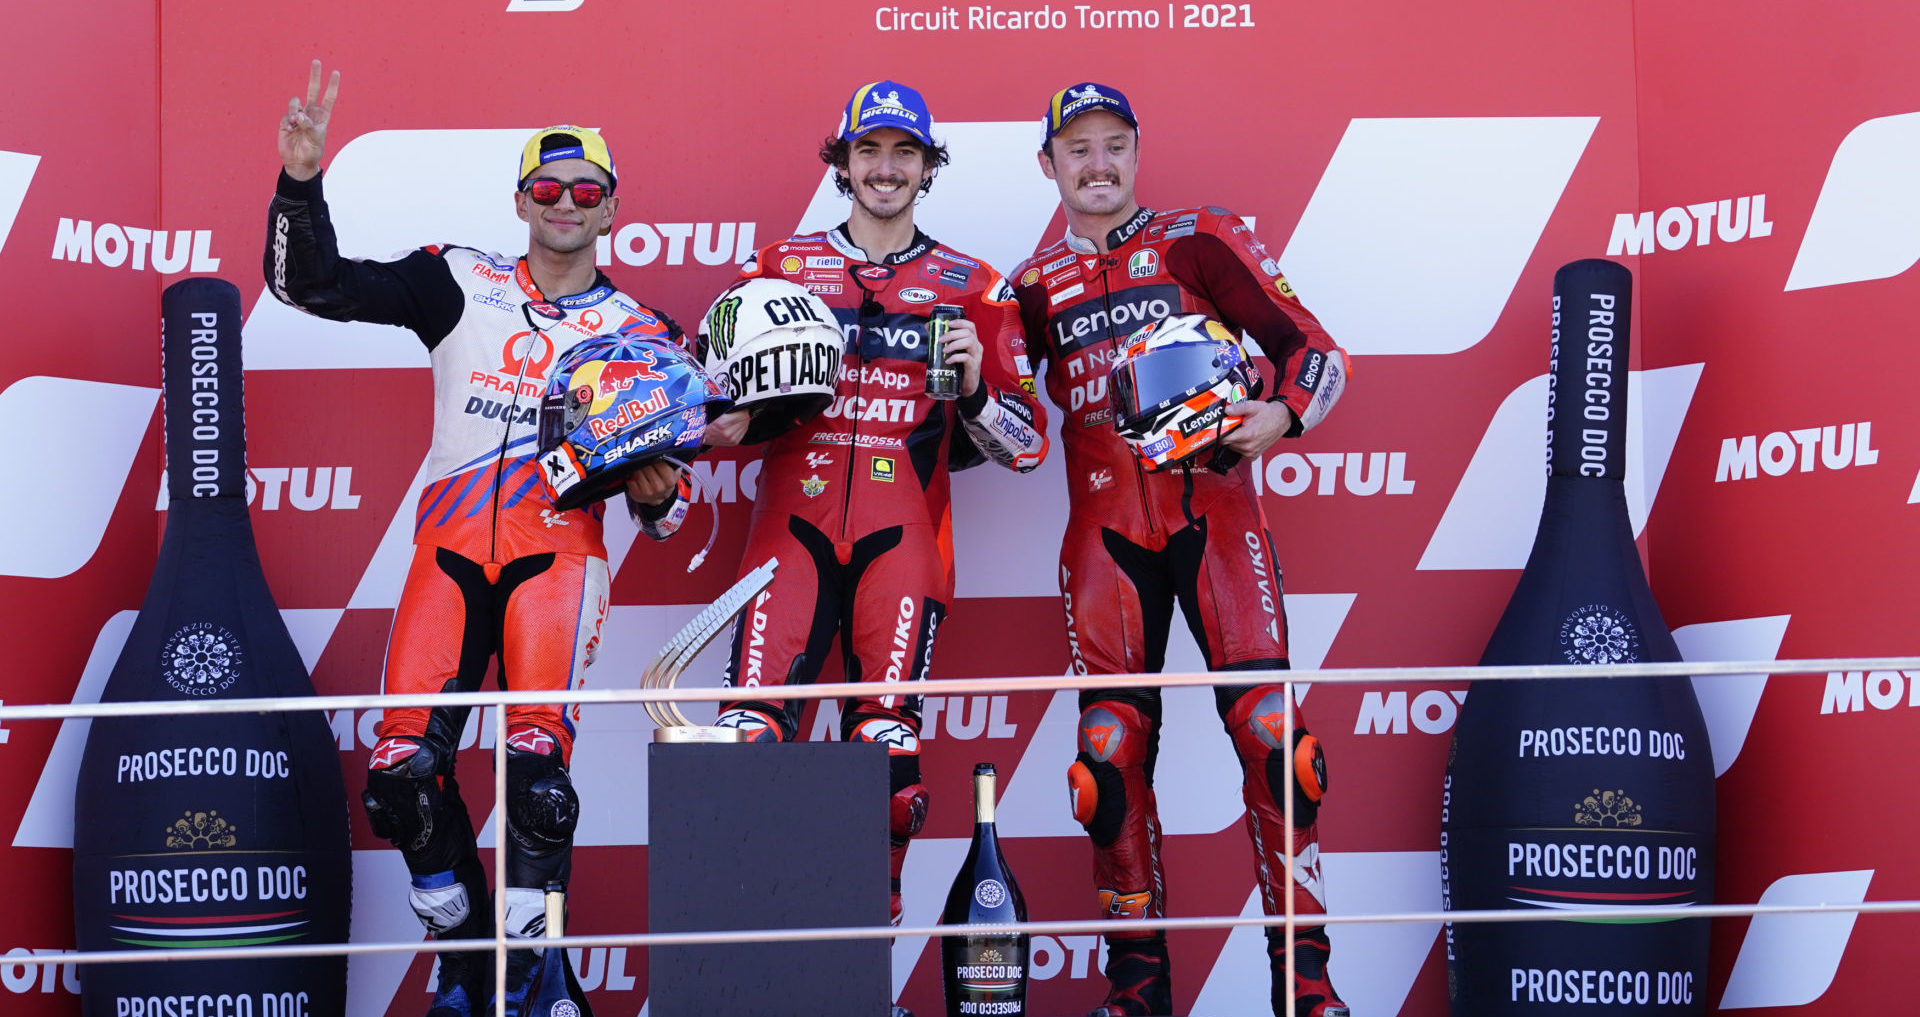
pixel 209 830
pixel 1586 794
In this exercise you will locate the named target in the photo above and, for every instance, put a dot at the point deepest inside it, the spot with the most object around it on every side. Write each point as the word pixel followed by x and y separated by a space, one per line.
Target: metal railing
pixel 500 942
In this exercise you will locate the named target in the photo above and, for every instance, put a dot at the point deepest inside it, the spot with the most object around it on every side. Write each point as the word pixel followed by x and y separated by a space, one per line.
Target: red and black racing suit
pixel 854 501
pixel 1136 542
pixel 496 571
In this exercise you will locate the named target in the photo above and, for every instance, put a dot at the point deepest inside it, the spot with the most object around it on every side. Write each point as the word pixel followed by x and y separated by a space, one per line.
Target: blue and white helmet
pixel 617 403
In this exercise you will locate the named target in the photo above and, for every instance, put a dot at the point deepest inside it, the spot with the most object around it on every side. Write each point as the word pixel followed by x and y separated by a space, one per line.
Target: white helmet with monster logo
pixel 778 349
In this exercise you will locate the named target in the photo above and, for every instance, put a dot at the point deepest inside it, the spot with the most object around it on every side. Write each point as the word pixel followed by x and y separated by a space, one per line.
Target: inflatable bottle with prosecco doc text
pixel 209 829
pixel 1588 794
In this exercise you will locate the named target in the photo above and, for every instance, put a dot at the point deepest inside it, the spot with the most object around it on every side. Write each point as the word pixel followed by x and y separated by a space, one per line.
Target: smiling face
pixel 885 168
pixel 563 227
pixel 1093 160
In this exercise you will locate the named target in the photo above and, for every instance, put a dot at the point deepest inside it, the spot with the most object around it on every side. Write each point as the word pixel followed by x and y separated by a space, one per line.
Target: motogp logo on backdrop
pixel 1598 634
pixel 201 659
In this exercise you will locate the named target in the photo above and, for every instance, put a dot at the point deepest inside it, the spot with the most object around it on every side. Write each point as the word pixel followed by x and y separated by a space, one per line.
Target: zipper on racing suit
pixel 506 431
pixel 853 423
pixel 1107 261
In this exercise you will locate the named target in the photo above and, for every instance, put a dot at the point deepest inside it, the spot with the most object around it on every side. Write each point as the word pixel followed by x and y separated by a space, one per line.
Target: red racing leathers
pixel 1137 542
pixel 854 501
pixel 497 571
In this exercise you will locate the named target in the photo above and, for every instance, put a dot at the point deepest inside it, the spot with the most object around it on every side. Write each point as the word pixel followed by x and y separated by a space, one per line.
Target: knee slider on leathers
pixel 1257 738
pixel 1115 743
pixel 405 802
pixel 1306 770
pixel 542 807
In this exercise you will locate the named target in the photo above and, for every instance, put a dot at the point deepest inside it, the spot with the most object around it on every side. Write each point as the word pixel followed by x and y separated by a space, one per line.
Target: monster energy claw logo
pixel 721 322
pixel 1598 634
pixel 200 659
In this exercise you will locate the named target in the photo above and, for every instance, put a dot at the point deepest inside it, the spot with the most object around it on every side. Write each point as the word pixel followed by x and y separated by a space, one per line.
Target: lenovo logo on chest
pixel 1112 316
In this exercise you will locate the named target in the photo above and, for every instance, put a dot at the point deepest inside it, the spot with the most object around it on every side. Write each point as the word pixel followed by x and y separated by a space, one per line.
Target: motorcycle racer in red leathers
pixel 497 570
pixel 1137 542
pixel 854 501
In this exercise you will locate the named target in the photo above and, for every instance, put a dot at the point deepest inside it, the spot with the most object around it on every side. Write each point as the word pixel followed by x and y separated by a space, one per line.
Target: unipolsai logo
pixel 1599 634
pixel 200 659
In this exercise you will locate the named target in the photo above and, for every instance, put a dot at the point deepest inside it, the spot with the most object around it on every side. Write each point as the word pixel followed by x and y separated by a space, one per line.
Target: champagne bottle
pixel 985 972
pixel 198 829
pixel 1592 793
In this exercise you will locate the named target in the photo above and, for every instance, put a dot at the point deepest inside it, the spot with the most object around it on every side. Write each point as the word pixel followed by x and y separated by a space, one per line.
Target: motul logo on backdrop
pixel 47 978
pixel 965 718
pixel 1432 711
pixel 1802 449
pixel 168 251
pixel 712 243
pixel 1854 691
pixel 1729 219
pixel 306 488
pixel 1363 474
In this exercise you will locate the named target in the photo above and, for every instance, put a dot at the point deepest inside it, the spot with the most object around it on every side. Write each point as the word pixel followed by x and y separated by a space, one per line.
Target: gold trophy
pixel 670 724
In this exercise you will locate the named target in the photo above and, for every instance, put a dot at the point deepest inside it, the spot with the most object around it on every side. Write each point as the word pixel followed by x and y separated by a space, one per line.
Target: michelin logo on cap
pixel 1085 97
pixel 887 104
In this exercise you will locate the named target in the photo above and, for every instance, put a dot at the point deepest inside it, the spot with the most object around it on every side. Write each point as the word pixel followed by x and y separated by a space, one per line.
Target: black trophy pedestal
pixel 754 836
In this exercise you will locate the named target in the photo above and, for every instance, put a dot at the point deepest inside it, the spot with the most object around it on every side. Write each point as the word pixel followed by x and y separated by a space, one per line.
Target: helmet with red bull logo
pixel 616 403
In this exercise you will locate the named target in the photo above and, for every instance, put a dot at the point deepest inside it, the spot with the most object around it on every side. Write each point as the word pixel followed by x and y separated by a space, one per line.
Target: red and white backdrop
pixel 1423 168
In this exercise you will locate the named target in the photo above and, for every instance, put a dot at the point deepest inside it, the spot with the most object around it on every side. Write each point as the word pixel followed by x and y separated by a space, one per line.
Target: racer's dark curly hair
pixel 837 152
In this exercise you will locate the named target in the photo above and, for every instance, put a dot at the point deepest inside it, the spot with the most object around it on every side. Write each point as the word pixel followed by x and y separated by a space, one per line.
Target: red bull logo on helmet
pixel 629 413
pixel 619 375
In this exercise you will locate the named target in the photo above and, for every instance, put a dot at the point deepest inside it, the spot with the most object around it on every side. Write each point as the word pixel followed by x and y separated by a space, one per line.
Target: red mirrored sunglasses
pixel 586 193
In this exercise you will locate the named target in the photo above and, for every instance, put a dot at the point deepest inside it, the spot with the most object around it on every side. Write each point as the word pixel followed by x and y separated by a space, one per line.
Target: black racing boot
pixel 466 982
pixel 1137 973
pixel 1313 994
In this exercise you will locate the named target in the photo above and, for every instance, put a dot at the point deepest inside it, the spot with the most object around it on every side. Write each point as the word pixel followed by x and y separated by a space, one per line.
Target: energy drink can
pixel 943 382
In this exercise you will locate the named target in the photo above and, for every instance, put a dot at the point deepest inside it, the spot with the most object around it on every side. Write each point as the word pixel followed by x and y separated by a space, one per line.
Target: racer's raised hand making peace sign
pixel 303 131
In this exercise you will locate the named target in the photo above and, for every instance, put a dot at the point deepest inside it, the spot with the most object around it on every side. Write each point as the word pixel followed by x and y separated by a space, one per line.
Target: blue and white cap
pixel 1085 97
pixel 887 104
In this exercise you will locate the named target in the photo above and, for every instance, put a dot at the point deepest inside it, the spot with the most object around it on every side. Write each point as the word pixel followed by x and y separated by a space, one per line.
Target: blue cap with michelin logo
pixel 1085 97
pixel 887 104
